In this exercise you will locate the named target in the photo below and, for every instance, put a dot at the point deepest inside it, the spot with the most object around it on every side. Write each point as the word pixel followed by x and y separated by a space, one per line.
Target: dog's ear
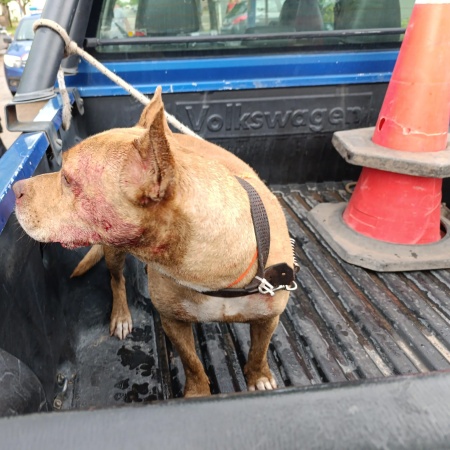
pixel 151 169
pixel 149 112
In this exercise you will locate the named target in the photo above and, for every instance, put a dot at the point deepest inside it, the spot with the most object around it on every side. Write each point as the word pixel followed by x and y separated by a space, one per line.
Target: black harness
pixel 267 280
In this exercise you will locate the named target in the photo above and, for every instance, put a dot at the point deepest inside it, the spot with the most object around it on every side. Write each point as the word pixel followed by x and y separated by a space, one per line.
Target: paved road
pixel 5 97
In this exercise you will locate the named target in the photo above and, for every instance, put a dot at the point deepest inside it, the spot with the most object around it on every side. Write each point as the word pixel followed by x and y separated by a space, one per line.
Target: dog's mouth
pixel 70 238
pixel 97 239
pixel 75 244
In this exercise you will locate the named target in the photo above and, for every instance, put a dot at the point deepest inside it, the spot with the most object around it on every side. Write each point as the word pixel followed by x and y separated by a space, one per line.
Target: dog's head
pixel 105 188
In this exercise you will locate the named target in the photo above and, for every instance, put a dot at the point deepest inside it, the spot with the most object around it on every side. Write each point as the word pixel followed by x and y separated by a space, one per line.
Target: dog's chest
pixel 238 309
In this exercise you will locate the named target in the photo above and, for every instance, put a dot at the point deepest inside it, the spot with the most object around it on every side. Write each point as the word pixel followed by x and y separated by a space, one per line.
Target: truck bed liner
pixel 344 323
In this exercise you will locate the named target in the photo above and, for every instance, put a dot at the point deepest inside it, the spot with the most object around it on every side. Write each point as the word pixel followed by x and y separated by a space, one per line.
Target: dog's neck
pixel 200 223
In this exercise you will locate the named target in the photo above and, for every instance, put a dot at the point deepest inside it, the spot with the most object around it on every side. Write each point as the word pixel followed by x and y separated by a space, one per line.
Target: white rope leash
pixel 72 48
pixel 67 106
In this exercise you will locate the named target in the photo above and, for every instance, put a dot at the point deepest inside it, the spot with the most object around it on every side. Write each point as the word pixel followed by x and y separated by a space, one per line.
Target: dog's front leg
pixel 120 323
pixel 181 335
pixel 259 376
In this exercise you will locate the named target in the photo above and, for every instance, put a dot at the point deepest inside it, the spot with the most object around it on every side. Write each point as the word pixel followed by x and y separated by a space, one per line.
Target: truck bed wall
pixel 285 134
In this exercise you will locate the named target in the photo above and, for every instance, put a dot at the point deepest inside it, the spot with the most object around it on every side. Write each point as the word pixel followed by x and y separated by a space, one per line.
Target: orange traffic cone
pixel 401 208
pixel 392 221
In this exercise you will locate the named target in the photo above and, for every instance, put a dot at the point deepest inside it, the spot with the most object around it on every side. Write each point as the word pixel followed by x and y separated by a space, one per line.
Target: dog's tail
pixel 92 257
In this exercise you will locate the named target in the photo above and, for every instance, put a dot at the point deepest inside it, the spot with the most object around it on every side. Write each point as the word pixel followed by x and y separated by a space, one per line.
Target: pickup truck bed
pixel 362 358
pixel 344 323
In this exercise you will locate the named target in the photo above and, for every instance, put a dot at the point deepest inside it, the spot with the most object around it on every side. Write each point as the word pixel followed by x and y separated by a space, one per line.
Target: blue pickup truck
pixel 362 357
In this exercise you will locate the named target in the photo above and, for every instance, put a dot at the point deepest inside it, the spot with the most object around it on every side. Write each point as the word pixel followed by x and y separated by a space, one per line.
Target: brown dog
pixel 174 202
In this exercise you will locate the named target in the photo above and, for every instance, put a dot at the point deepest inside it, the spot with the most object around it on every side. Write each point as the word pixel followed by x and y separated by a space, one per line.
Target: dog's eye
pixel 65 179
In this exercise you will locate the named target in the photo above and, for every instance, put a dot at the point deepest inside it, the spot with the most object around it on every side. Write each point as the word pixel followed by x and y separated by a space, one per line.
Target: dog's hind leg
pixel 259 377
pixel 121 323
pixel 181 335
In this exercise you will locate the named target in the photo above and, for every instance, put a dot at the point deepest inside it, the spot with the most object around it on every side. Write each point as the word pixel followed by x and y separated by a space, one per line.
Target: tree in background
pixel 5 12
pixel 5 9
pixel 22 5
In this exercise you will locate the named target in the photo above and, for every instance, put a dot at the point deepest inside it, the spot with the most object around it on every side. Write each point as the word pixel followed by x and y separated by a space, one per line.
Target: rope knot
pixel 71 49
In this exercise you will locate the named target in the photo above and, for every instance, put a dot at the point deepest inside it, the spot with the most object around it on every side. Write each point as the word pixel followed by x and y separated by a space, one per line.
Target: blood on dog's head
pixel 148 172
pixel 76 205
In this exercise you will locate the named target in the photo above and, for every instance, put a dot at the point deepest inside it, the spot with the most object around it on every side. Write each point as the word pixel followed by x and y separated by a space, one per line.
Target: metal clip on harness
pixel 266 288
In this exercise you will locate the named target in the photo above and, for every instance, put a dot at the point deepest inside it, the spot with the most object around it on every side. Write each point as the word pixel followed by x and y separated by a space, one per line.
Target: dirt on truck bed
pixel 343 323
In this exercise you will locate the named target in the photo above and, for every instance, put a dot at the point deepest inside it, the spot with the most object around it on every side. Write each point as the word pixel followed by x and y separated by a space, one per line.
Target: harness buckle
pixel 266 288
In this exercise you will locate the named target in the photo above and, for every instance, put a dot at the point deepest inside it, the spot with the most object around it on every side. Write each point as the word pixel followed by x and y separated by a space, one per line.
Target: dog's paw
pixel 263 384
pixel 121 326
pixel 259 377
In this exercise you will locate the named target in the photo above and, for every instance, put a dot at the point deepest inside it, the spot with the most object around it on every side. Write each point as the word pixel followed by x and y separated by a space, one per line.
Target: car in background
pixel 16 55
pixel 5 38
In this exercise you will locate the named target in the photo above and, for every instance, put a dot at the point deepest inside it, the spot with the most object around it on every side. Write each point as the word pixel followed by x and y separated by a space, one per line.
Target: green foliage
pixel 327 9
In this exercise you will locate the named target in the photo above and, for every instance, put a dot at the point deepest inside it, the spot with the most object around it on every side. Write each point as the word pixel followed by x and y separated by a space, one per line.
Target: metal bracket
pixel 78 100
pixel 14 124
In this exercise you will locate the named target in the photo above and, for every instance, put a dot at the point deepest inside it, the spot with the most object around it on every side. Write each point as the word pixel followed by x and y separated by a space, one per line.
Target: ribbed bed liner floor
pixel 343 323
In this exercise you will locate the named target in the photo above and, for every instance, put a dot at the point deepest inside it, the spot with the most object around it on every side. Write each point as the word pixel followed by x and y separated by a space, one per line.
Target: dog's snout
pixel 19 189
